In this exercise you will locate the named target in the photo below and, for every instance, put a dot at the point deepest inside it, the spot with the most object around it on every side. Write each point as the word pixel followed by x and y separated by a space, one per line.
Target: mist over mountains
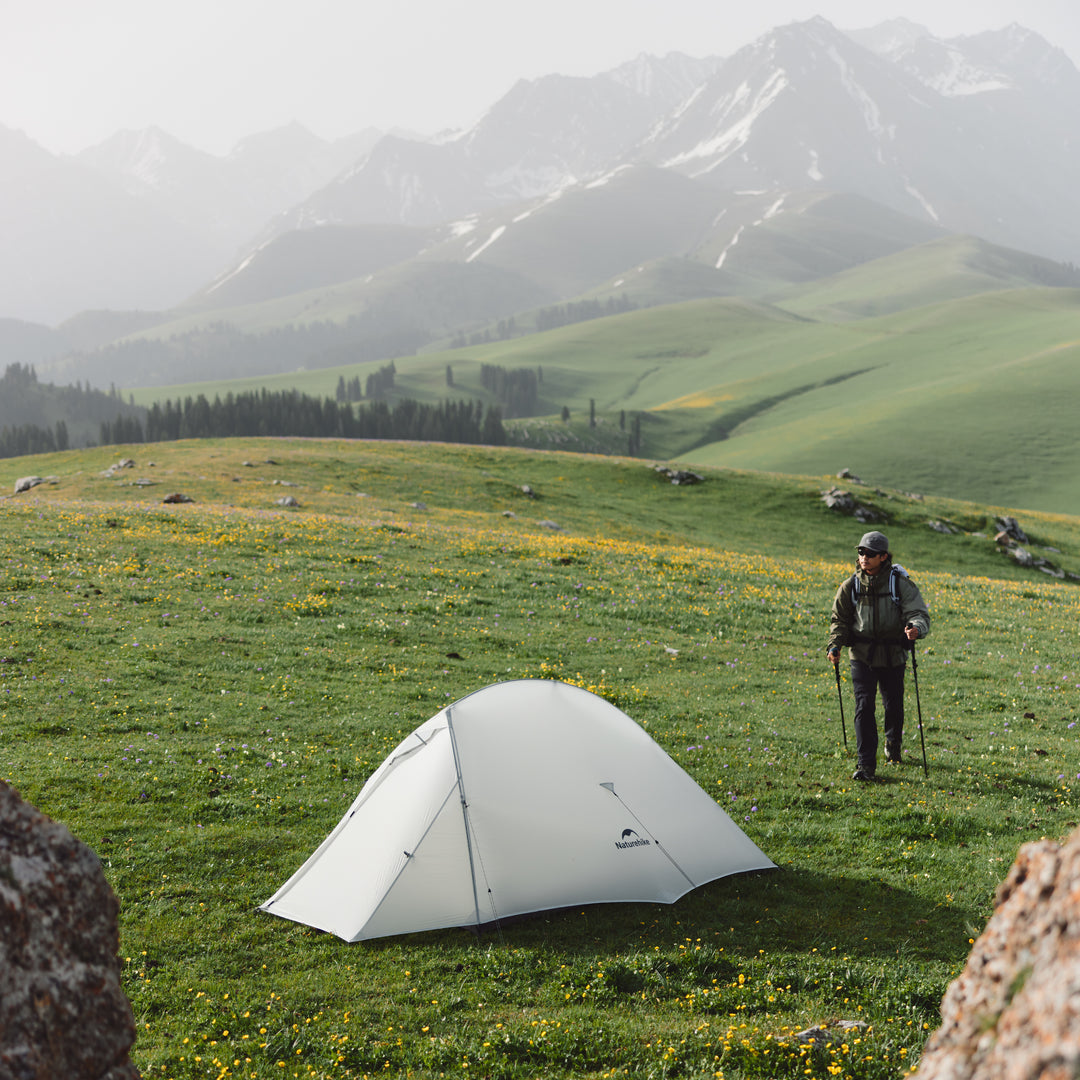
pixel 802 155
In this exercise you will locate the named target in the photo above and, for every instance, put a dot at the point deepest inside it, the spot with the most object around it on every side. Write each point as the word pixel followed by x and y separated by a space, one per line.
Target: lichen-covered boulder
pixel 63 1012
pixel 1013 1013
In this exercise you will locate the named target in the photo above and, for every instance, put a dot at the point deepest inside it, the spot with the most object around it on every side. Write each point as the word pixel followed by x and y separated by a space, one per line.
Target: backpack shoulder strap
pixel 895 575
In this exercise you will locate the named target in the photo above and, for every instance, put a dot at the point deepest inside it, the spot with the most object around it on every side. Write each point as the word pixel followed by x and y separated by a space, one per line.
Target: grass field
pixel 200 690
pixel 967 396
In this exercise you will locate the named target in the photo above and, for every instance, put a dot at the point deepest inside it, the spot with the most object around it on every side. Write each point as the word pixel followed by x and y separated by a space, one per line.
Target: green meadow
pixel 911 370
pixel 200 690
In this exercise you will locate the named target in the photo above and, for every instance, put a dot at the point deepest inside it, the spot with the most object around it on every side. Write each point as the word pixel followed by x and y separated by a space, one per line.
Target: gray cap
pixel 874 541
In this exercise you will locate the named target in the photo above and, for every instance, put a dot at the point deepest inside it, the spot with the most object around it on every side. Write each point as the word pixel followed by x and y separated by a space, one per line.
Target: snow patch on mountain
pixel 464 226
pixel 145 161
pixel 867 105
pixel 603 181
pixel 773 210
pixel 552 196
pixel 734 240
pixel 309 218
pixel 516 183
pixel 236 272
pixel 687 103
pixel 922 201
pixel 498 232
pixel 959 78
pixel 148 159
pixel 664 81
pixel 731 139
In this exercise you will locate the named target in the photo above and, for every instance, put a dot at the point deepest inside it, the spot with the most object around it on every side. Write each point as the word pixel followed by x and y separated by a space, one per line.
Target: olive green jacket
pixel 873 627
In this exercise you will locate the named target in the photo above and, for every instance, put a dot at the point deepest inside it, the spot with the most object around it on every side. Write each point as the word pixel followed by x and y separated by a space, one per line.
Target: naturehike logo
pixel 631 839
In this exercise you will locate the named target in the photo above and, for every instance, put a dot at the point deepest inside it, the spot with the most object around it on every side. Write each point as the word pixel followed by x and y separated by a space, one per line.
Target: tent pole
pixel 465 817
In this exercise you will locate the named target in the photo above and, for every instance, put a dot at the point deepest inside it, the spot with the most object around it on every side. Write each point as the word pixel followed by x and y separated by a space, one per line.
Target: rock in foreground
pixel 1014 1012
pixel 63 1012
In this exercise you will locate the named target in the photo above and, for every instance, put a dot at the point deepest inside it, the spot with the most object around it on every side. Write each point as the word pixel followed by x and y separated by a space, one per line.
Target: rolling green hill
pixel 933 363
pixel 948 268
pixel 969 397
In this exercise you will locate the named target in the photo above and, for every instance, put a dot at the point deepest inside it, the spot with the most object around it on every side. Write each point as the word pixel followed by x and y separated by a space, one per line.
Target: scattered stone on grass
pixel 823 1033
pixel 679 476
pixel 843 502
pixel 1011 528
pixel 946 527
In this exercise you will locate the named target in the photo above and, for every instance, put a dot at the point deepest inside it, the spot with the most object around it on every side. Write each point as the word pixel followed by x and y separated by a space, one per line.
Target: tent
pixel 521 797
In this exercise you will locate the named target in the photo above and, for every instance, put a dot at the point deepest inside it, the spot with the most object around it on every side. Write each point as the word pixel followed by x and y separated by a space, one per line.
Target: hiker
pixel 878 613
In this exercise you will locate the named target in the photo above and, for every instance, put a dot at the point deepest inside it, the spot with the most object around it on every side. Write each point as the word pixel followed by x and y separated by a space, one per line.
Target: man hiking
pixel 878 613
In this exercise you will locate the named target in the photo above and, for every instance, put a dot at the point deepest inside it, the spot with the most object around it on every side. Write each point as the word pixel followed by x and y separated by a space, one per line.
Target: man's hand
pixel 911 632
pixel 834 656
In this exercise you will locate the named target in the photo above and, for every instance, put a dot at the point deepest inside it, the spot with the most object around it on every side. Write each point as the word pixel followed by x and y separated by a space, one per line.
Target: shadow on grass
pixel 780 910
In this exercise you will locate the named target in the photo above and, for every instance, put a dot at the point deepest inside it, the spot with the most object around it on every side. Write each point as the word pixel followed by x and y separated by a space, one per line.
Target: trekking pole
pixel 839 694
pixel 918 706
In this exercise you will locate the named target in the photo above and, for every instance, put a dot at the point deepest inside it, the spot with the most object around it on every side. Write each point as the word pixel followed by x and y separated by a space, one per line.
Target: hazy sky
pixel 72 72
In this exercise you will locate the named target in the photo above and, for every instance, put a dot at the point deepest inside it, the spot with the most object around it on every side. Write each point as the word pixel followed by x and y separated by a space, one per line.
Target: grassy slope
pixel 622 498
pixel 945 269
pixel 606 358
pixel 200 690
pixel 926 397
pixel 969 397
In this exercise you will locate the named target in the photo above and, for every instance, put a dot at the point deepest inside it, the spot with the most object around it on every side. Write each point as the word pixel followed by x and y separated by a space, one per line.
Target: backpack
pixel 896 572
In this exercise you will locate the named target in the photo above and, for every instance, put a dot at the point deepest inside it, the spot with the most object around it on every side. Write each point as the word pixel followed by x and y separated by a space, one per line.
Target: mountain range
pixel 804 155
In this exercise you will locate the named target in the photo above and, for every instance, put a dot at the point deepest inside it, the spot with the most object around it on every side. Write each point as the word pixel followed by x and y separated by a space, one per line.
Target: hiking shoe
pixel 892 753
pixel 862 774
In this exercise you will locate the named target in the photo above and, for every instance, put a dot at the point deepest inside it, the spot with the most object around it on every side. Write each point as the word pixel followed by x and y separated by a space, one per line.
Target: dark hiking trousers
pixel 866 681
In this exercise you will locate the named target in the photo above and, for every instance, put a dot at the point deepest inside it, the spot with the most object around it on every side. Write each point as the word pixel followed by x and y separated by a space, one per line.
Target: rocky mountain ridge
pixel 968 135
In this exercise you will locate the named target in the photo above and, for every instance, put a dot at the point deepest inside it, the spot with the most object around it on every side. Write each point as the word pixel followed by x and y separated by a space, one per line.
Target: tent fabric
pixel 521 797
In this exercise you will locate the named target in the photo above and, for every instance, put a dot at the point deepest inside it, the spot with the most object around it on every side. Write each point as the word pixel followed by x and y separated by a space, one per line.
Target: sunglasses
pixel 868 553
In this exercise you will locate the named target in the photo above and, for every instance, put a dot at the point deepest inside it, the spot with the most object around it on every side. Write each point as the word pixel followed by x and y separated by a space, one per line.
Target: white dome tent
pixel 521 797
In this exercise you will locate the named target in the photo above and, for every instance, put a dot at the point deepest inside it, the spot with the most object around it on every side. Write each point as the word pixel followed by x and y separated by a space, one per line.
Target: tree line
pixel 17 440
pixel 38 418
pixel 379 384
pixel 516 390
pixel 548 318
pixel 576 311
pixel 290 413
